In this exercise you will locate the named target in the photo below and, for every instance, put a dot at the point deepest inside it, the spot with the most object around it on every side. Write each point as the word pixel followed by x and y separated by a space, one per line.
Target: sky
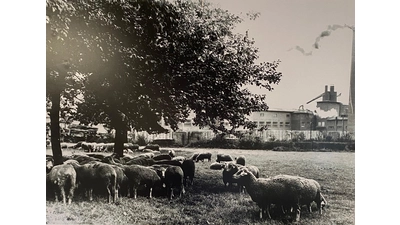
pixel 285 24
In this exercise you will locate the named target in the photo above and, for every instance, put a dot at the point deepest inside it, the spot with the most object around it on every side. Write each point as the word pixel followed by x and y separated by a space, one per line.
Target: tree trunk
pixel 121 131
pixel 120 139
pixel 55 128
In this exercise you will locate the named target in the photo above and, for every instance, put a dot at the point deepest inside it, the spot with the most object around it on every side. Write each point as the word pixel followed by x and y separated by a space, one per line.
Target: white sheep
pixel 283 190
pixel 62 179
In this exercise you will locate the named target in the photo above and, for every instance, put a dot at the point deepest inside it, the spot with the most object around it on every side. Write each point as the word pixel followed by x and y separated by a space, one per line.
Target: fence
pixel 185 137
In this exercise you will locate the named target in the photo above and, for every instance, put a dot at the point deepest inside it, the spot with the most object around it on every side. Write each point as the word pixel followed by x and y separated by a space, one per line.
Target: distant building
pixel 275 119
pixel 332 116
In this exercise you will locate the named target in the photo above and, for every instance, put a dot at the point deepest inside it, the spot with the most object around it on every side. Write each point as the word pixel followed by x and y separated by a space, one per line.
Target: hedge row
pixel 275 145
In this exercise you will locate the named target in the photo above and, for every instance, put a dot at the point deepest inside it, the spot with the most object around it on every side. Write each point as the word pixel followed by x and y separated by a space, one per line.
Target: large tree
pixel 153 60
pixel 182 56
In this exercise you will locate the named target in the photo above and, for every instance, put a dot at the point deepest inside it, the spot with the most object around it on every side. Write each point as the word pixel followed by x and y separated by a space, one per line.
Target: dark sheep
pixel 202 156
pixel 217 166
pixel 62 179
pixel 83 159
pixel 224 158
pixel 162 157
pixel 189 168
pixel 95 155
pixel 231 168
pixel 168 162
pixel 241 160
pixel 179 158
pixel 174 179
pixel 141 161
pixel 194 156
pixel 141 175
pixel 96 175
pixel 138 176
pixel 131 146
pixel 154 147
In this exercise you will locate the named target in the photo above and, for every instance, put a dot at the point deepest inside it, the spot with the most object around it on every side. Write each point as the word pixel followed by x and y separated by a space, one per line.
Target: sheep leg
pixel 309 207
pixel 116 195
pixel 63 195
pixel 261 212
pixel 150 192
pixel 269 215
pixel 183 189
pixel 170 193
pixel 56 196
pixel 90 192
pixel 109 194
pixel 71 194
pixel 298 210
pixel 134 193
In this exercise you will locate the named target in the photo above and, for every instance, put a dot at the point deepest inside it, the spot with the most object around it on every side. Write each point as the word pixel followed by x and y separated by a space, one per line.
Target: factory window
pixel 303 124
pixel 287 124
pixel 275 115
pixel 287 115
pixel 280 124
pixel 275 124
pixel 331 127
pixel 261 114
pixel 261 123
pixel 268 124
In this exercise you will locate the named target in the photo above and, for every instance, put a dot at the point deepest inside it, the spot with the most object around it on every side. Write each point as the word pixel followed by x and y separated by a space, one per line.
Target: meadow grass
pixel 209 202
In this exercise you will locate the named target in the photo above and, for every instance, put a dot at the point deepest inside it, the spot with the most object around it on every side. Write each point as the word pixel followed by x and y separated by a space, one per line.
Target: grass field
pixel 209 202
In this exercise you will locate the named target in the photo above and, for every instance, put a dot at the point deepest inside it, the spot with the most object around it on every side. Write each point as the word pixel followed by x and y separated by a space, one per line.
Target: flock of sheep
pixel 163 170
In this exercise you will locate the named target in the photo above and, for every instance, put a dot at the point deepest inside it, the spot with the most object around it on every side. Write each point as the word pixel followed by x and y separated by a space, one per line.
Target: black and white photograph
pixel 200 112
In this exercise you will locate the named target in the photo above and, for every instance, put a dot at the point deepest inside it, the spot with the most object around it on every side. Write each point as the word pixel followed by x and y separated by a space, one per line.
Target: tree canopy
pixel 146 60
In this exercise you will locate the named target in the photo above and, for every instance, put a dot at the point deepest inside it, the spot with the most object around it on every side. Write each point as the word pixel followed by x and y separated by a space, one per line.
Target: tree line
pixel 131 63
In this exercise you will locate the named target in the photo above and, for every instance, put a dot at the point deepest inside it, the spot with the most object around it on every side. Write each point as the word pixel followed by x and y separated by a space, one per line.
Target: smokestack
pixel 326 88
pixel 333 94
pixel 352 99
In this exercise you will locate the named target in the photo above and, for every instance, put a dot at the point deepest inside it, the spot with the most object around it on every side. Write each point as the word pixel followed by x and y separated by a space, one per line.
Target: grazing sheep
pixel 179 159
pixel 224 158
pixel 83 159
pixel 168 162
pixel 171 153
pixel 231 168
pixel 140 161
pixel 62 178
pixel 131 146
pixel 141 175
pixel 311 192
pixel 283 190
pixel 189 168
pixel 96 175
pixel 194 156
pixel 49 164
pixel 162 157
pixel 217 166
pixel 95 155
pixel 154 147
pixel 174 179
pixel 202 156
pixel 241 160
pixel 145 155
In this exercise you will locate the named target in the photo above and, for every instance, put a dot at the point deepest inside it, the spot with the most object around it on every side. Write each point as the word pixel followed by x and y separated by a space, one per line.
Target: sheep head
pixel 242 173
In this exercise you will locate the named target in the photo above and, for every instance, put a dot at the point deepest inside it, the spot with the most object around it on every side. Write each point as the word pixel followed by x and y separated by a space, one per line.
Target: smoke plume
pixel 326 33
pixel 300 49
pixel 323 34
